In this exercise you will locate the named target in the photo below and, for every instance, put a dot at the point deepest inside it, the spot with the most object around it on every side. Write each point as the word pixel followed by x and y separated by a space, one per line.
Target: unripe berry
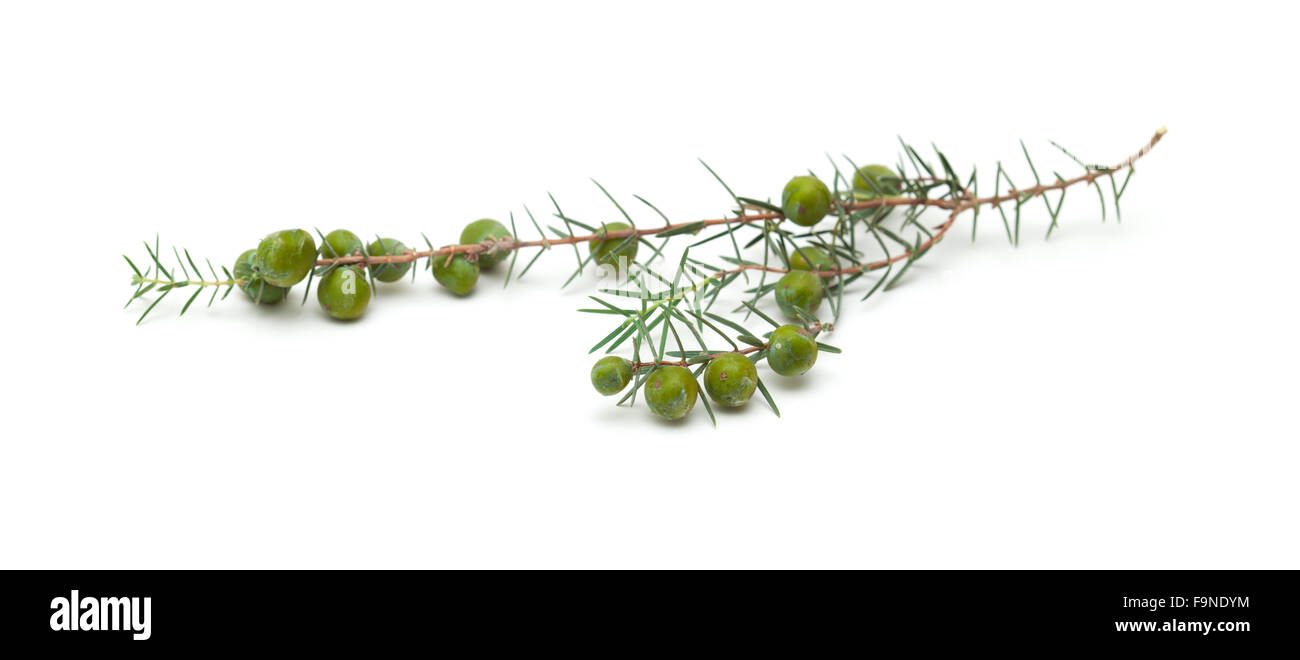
pixel 809 257
pixel 285 257
pixel 873 182
pixel 611 374
pixel 340 243
pixel 805 200
pixel 799 288
pixel 671 391
pixel 871 178
pixel 459 274
pixel 607 251
pixel 731 379
pixel 791 350
pixel 385 247
pixel 344 293
pixel 256 287
pixel 481 230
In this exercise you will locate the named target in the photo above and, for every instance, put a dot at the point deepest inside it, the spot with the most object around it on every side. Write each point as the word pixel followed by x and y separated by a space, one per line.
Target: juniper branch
pixel 752 213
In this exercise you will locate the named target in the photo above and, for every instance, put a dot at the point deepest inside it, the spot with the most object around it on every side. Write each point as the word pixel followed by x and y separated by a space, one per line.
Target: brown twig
pixel 814 329
pixel 957 208
pixel 966 202
pixel 686 363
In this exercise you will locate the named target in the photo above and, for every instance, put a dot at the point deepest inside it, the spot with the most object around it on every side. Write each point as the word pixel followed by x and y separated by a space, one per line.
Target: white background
pixel 1118 396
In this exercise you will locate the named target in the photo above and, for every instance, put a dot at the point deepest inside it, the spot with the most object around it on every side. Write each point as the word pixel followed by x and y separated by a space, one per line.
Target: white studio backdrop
pixel 1117 396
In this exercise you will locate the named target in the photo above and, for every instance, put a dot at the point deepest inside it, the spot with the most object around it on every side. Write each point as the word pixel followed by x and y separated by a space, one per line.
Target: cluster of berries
pixel 285 258
pixel 805 201
pixel 730 379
